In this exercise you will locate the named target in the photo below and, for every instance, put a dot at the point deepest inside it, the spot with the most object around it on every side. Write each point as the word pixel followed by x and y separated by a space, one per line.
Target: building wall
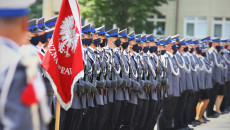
pixel 204 8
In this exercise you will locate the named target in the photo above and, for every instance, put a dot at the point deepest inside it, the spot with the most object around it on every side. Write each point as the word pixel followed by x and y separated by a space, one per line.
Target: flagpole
pixel 57 119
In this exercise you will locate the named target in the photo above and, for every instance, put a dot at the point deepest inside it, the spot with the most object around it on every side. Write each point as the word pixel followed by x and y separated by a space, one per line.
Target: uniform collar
pixel 125 52
pixel 91 48
pixel 225 50
pixel 117 49
pixel 146 54
pixel 169 54
pixel 212 49
pixel 10 43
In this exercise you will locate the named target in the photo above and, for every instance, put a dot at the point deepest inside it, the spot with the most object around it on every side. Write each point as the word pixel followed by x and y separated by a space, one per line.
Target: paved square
pixel 220 123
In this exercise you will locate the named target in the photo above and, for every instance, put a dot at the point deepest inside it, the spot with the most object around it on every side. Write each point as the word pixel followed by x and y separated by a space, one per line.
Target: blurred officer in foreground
pixel 22 92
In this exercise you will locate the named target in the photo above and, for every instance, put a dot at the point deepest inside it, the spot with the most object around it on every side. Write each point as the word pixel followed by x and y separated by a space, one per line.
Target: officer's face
pixel 217 44
pixel 123 40
pixel 114 39
pixel 182 47
pixel 87 36
pixel 111 42
pixel 101 37
pixel 140 44
pixel 196 46
pixel 203 51
pixel 161 48
pixel 26 39
pixel 169 46
pixel 95 36
pixel 131 43
pixel 152 44
pixel 190 47
pixel 224 44
pixel 145 44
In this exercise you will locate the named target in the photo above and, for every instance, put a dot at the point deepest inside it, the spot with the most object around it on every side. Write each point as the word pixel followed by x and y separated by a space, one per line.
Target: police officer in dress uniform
pixel 41 25
pixel 135 85
pixel 144 96
pixel 106 53
pixel 194 46
pixel 226 57
pixel 213 57
pixel 201 98
pixel 88 78
pixel 50 23
pixel 222 87
pixel 194 69
pixel 140 72
pixel 181 121
pixel 15 72
pixel 155 90
pixel 115 93
pixel 124 74
pixel 98 79
pixel 181 104
pixel 101 109
pixel 49 36
pixel 204 99
pixel 166 116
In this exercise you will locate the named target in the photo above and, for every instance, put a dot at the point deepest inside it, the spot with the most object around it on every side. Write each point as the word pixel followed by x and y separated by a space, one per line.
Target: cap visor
pixel 45 28
pixel 36 31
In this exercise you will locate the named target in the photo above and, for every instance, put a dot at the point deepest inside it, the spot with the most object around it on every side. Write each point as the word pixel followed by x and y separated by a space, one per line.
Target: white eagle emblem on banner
pixel 69 37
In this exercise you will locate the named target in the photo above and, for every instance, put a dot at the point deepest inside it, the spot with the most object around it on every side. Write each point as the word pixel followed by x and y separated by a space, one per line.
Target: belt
pixel 50 93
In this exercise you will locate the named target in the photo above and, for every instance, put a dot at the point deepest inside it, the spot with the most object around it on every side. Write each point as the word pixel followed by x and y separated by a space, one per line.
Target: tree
pixel 35 11
pixel 123 13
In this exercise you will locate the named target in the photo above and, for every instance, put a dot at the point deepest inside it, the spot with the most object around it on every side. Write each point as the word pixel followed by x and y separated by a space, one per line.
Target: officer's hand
pixel 87 88
pixel 81 87
pixel 158 86
pixel 108 84
pixel 164 82
pixel 141 90
pixel 113 83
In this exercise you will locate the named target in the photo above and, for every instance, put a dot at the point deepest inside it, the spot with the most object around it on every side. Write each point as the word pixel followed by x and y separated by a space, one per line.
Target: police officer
pixel 50 23
pixel 200 79
pixel 155 90
pixel 202 104
pixel 125 86
pixel 188 90
pixel 226 57
pixel 208 79
pixel 223 76
pixel 166 116
pixel 14 71
pixel 49 36
pixel 184 69
pixel 144 96
pixel 101 109
pixel 132 103
pixel 141 96
pixel 115 93
pixel 213 57
pixel 88 70
pixel 41 25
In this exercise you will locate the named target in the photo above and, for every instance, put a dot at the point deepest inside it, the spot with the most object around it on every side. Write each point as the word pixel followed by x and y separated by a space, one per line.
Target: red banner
pixel 63 60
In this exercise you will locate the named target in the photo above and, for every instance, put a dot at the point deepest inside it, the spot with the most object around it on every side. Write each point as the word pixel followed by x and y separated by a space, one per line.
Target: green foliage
pixel 123 13
pixel 35 11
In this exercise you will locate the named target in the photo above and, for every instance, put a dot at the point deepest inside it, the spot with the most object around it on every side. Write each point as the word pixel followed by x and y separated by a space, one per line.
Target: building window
pixel 195 27
pixel 221 27
pixel 156 25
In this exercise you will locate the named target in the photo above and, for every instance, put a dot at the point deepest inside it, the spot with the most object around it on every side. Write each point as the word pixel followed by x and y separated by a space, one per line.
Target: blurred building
pixel 190 18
